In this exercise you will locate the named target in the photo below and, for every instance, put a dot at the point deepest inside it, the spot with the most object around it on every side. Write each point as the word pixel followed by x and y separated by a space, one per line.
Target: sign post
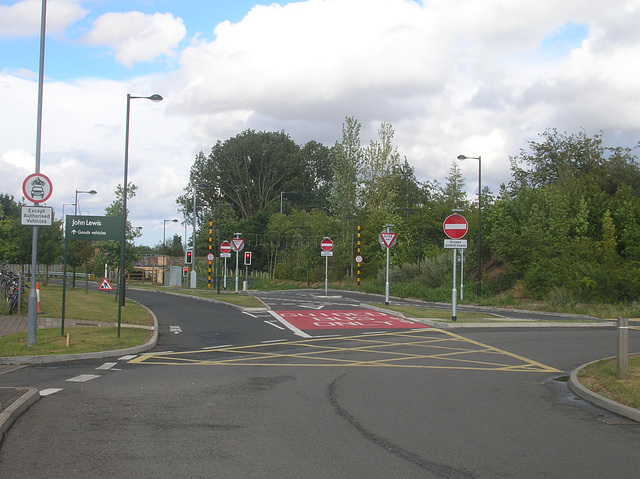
pixel 387 239
pixel 36 188
pixel 455 226
pixel 225 252
pixel 237 245
pixel 326 245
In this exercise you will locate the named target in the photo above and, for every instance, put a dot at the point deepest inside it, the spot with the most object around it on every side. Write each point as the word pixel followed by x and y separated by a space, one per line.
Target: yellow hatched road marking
pixel 426 349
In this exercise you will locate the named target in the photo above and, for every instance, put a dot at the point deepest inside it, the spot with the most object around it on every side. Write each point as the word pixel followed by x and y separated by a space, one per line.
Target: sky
pixel 472 77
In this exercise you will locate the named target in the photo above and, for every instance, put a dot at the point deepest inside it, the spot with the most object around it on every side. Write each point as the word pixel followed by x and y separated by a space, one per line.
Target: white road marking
pixel 106 366
pixel 175 329
pixel 290 326
pixel 274 341
pixel 83 378
pixel 49 391
pixel 249 314
pixel 218 347
pixel 128 357
pixel 312 307
pixel 274 324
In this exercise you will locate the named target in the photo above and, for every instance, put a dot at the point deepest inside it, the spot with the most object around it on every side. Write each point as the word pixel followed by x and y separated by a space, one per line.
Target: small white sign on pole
pixel 37 216
pixel 455 244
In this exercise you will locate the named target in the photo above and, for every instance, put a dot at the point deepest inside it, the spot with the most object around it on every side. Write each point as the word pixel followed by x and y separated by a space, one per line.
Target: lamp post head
pixel 464 157
pixel 155 98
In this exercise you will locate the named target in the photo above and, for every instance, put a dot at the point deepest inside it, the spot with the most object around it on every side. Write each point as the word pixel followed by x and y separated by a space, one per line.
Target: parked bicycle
pixel 12 289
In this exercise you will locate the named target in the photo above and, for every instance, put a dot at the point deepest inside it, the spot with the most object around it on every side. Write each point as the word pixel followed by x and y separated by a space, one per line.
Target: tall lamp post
pixel 479 158
pixel 164 247
pixel 91 192
pixel 282 193
pixel 154 98
pixel 75 212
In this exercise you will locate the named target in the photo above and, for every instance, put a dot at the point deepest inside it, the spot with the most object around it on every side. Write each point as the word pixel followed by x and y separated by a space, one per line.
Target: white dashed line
pixel 49 391
pixel 106 366
pixel 83 378
pixel 217 347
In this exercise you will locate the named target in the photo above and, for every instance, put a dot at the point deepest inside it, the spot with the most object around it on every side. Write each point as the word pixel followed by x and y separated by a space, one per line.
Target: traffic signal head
pixel 188 259
pixel 185 271
pixel 247 258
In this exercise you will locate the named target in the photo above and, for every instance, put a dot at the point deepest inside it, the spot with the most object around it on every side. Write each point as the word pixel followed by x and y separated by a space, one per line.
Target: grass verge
pixel 81 340
pixel 600 377
pixel 439 314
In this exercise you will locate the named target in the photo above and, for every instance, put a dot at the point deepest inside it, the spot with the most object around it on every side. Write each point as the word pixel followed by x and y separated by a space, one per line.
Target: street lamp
pixel 91 192
pixel 479 158
pixel 164 246
pixel 154 98
pixel 282 193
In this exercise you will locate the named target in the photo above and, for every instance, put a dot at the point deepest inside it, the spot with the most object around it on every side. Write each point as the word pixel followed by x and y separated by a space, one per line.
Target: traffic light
pixel 188 258
pixel 247 258
pixel 185 271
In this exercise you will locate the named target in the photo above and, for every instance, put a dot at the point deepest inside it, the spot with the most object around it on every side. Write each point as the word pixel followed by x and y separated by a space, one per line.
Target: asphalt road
pixel 228 394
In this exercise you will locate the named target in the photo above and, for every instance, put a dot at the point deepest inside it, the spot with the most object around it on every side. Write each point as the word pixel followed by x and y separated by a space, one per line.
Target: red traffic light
pixel 185 271
pixel 188 258
pixel 247 258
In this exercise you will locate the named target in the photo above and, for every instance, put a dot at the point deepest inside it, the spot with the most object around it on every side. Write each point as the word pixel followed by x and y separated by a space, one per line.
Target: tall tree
pixel 347 161
pixel 381 161
pixel 249 170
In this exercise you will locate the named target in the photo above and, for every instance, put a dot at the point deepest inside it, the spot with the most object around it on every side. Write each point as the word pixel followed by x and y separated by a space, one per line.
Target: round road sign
pixel 210 257
pixel 326 244
pixel 455 226
pixel 37 188
pixel 225 247
pixel 359 259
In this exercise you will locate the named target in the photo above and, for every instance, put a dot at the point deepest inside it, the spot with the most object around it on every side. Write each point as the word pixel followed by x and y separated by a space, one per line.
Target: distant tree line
pixel 567 224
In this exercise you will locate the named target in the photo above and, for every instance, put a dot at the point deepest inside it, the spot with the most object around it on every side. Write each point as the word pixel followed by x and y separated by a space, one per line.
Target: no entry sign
pixel 225 247
pixel 326 244
pixel 455 226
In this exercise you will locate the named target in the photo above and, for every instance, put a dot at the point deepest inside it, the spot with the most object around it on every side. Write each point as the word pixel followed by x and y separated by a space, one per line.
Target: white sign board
pixel 455 244
pixel 37 216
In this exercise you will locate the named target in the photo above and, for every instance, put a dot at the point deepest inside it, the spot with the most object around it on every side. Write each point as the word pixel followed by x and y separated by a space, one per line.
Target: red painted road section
pixel 348 319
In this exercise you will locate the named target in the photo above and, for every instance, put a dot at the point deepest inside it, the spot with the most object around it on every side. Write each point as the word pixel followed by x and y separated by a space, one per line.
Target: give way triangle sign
pixel 105 285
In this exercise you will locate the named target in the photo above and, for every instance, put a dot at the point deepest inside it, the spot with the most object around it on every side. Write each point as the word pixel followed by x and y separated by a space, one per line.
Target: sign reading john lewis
pixel 94 228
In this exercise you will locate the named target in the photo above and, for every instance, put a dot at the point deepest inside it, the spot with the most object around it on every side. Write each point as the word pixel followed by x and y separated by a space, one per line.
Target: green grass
pixel 81 340
pixel 600 377
pixel 90 306
pixel 439 314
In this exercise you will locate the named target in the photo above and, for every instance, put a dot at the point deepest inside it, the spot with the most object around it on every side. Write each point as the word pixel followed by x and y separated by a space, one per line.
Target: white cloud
pixel 22 19
pixel 137 37
pixel 473 77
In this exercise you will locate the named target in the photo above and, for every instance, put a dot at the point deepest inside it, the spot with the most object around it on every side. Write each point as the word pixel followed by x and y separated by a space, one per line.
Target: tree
pixel 452 193
pixel 381 161
pixel 111 249
pixel 249 170
pixel 347 161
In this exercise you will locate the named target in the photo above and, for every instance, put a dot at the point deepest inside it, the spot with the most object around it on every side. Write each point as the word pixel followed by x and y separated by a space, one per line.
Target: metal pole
pixel 454 293
pixel 623 348
pixel 479 288
pixel 326 275
pixel 461 274
pixel 164 248
pixel 193 246
pixel 121 281
pixel 386 285
pixel 32 321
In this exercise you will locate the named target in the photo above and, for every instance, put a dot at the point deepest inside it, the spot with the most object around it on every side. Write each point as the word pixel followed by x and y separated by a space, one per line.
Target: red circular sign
pixel 225 247
pixel 326 244
pixel 359 259
pixel 37 188
pixel 455 226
